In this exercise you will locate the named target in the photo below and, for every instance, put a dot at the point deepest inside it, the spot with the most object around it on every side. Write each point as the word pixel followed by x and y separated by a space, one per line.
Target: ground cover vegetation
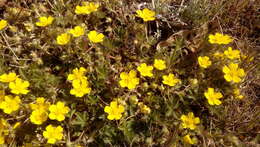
pixel 119 73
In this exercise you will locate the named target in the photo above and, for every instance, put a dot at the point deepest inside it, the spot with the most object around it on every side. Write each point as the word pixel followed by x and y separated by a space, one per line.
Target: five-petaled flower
pixel 19 86
pixel 53 134
pixel 129 80
pixel 232 54
pixel 233 73
pixel 220 39
pixel 95 37
pixel 114 111
pixel 3 24
pixel 44 21
pixel 213 97
pixel 63 39
pixel 145 70
pixel 189 121
pixel 204 62
pixel 146 14
pixel 87 8
pixel 38 116
pixel 77 31
pixel 159 64
pixel 10 104
pixel 77 74
pixel 80 88
pixel 170 80
pixel 58 111
pixel 10 77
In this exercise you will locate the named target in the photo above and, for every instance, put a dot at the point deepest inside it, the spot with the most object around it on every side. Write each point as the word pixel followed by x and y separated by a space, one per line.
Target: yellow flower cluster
pixel 79 82
pixel 17 85
pixel 232 72
pixel 114 111
pixel 78 31
pixel 9 103
pixel 40 111
pixel 130 80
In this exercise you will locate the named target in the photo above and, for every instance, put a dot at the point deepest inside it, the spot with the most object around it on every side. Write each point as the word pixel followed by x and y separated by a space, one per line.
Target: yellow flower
pixel 58 111
pixel 159 64
pixel 204 62
pixel 170 80
pixel 189 121
pixel 220 39
pixel 237 94
pixel 40 104
pixel 129 80
pixel 114 111
pixel 77 74
pixel 95 37
pixel 10 104
pixel 10 77
pixel 4 130
pixel 189 140
pixel 232 54
pixel 144 109
pixel 2 139
pixel 80 88
pixel 53 134
pixel 145 70
pixel 87 8
pixel 3 24
pixel 19 86
pixel 44 21
pixel 146 14
pixel 63 39
pixel 233 73
pixel 38 116
pixel 77 31
pixel 213 97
